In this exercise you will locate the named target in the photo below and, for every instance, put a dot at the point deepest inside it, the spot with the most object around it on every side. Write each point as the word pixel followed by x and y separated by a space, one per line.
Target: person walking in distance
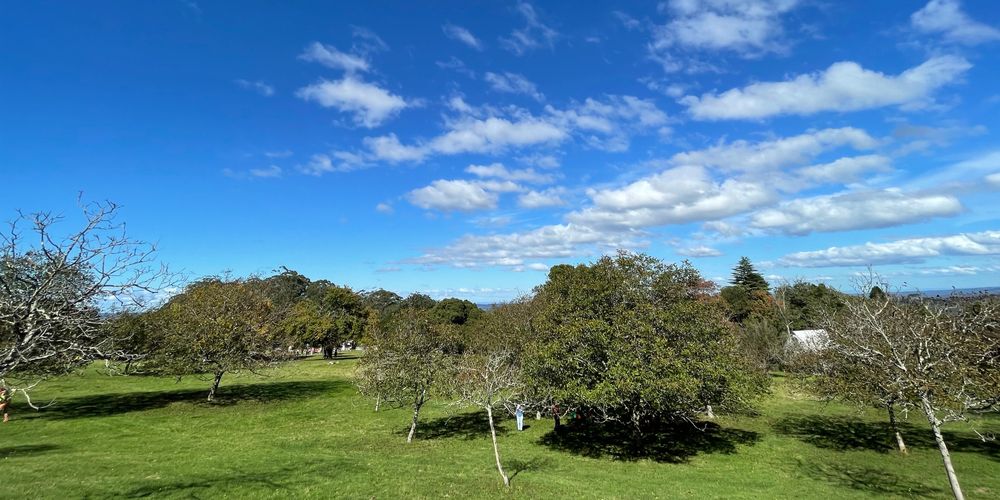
pixel 5 403
pixel 519 413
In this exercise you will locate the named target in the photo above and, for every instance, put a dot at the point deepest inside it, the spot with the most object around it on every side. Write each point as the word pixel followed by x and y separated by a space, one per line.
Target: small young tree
pixel 403 363
pixel 489 375
pixel 943 358
pixel 217 326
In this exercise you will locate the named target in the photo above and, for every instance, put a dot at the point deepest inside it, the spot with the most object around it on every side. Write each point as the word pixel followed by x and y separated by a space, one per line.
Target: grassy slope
pixel 305 432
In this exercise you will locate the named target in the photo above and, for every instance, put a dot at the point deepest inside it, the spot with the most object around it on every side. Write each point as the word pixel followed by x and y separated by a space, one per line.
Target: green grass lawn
pixel 304 431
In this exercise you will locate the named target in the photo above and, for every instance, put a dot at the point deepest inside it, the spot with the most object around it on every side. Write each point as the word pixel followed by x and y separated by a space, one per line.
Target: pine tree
pixel 746 276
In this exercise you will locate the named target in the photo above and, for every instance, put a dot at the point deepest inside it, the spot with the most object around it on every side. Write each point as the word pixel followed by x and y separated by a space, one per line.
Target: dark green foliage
pixel 746 276
pixel 636 340
pixel 455 311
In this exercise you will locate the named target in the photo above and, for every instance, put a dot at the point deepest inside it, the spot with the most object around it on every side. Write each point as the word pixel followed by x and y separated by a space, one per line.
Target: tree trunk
pixel 708 411
pixel 215 386
pixel 555 417
pixel 895 428
pixel 417 403
pixel 945 456
pixel 496 450
pixel 378 401
pixel 335 351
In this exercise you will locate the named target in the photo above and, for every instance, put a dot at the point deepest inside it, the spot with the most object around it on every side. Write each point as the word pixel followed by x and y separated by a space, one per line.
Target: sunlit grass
pixel 304 431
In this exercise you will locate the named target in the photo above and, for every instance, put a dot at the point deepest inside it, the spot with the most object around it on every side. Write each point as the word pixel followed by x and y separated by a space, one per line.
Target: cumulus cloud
pixel 453 195
pixel 748 28
pixel 471 135
pixel 329 56
pixel 844 86
pixel 945 18
pixel 745 156
pixel 534 34
pixel 899 251
pixel 994 179
pixel 850 211
pixel 542 199
pixel 697 251
pixel 462 35
pixel 369 104
pixel 557 241
pixel 256 86
pixel 513 83
pixel 499 171
pixel 676 196
pixel 843 170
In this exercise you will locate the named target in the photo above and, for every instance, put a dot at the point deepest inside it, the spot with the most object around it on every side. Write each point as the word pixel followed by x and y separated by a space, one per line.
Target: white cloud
pixel 533 35
pixel 697 251
pixel 994 179
pixel 462 35
pixel 513 83
pixel 899 251
pixel 329 56
pixel 844 86
pixel 675 196
pixel 453 195
pixel 269 172
pixel 279 154
pixel 499 171
pixel 558 241
pixel 945 17
pixel 746 27
pixel 540 160
pixel 541 199
pixel 962 173
pixel 388 147
pixel 384 208
pixel 844 170
pixel 850 211
pixel 369 104
pixel 256 86
pixel 744 156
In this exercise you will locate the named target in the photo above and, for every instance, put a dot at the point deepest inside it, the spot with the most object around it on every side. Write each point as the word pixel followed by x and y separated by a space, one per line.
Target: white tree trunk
pixel 708 411
pixel 215 386
pixel 895 429
pixel 417 403
pixel 496 450
pixel 378 401
pixel 945 456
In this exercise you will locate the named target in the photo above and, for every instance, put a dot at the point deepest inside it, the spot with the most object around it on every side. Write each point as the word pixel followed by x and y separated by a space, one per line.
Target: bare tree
pixel 56 289
pixel 490 374
pixel 940 357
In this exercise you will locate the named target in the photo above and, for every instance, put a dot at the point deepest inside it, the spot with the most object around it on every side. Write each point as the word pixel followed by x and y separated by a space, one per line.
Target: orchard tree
pixel 347 315
pixel 637 341
pixel 490 375
pixel 56 288
pixel 940 357
pixel 217 326
pixel 404 362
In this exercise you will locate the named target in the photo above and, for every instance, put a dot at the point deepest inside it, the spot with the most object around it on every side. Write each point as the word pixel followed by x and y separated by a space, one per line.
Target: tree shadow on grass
pixel 666 442
pixel 271 481
pixel 860 477
pixel 25 450
pixel 473 425
pixel 844 433
pixel 103 405
pixel 516 466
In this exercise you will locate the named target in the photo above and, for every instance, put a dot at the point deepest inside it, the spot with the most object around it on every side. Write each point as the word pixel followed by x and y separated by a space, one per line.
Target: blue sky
pixel 461 151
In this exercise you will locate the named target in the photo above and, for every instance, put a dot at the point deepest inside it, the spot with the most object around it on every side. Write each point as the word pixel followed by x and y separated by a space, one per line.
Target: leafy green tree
pixel 217 326
pixel 381 301
pixel 632 339
pixel 346 313
pixel 455 311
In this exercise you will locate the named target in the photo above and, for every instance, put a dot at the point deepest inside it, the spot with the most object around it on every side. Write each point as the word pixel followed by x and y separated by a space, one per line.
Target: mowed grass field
pixel 304 432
